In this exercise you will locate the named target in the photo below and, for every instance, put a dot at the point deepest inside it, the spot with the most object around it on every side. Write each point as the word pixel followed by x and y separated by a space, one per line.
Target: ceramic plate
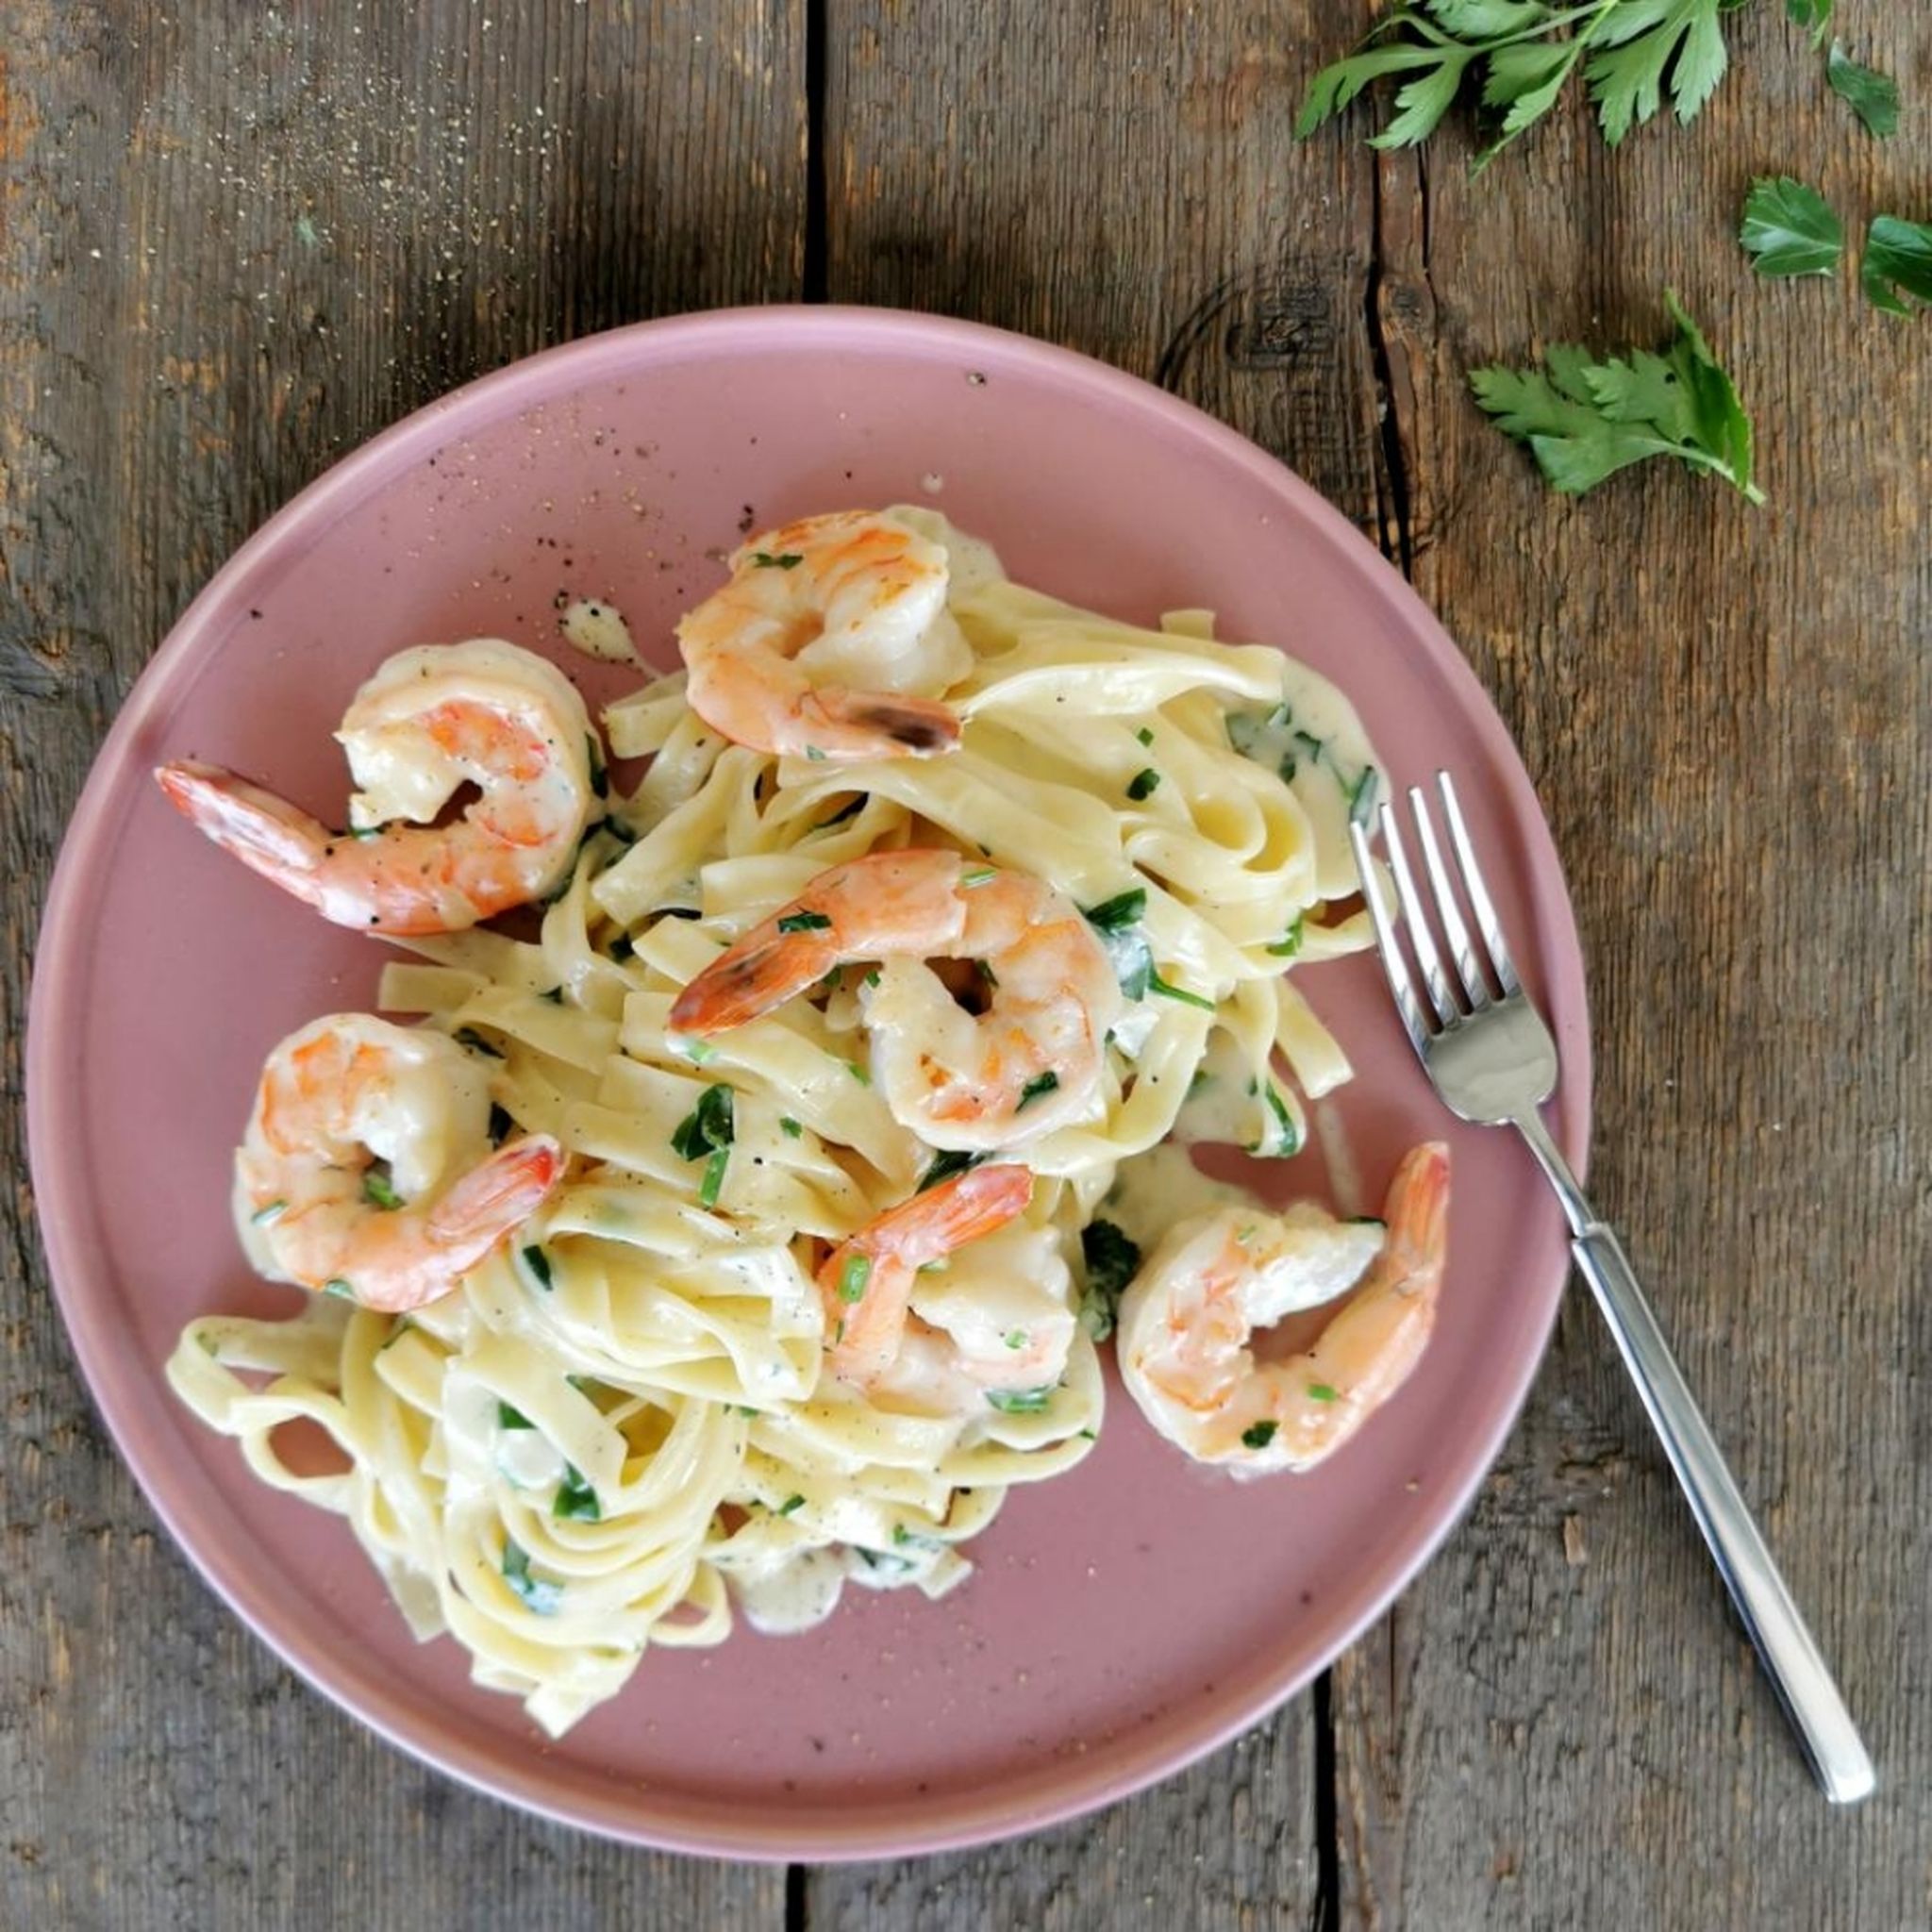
pixel 1124 1619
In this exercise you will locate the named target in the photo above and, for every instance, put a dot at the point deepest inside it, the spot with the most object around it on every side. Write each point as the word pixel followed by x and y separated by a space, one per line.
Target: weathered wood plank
pixel 1728 718
pixel 1119 178
pixel 236 240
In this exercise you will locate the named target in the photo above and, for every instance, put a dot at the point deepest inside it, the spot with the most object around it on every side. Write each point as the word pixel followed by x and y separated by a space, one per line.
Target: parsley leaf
pixel 1585 421
pixel 1633 54
pixel 707 1127
pixel 788 560
pixel 1111 1259
pixel 945 1165
pixel 575 1500
pixel 1789 229
pixel 1144 784
pixel 804 922
pixel 1036 1088
pixel 1873 97
pixel 1259 1435
pixel 540 1594
pixel 1898 255
pixel 1021 1401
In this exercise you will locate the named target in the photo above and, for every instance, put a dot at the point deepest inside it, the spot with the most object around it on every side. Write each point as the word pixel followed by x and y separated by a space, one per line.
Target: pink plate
pixel 1126 1618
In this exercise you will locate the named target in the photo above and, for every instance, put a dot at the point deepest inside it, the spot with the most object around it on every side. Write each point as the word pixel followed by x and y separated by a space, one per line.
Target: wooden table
pixel 238 239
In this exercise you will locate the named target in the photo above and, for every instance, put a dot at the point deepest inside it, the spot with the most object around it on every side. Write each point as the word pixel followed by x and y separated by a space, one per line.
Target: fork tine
pixel 1476 989
pixel 1415 916
pixel 1394 967
pixel 1479 900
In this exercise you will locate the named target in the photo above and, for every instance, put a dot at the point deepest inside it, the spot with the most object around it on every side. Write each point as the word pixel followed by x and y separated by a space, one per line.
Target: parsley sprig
pixel 1586 420
pixel 1633 54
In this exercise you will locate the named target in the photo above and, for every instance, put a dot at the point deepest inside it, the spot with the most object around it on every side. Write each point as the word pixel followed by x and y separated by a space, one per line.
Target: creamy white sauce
pixel 1154 1190
pixel 1218 1110
pixel 528 1458
pixel 1338 1156
pixel 598 630
pixel 792 1595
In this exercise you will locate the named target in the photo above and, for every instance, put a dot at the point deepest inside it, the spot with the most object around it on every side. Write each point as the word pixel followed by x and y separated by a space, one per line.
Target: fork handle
pixel 1787 1650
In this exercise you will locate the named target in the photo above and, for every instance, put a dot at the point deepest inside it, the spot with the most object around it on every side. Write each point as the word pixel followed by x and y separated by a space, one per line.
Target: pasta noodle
pixel 618 1427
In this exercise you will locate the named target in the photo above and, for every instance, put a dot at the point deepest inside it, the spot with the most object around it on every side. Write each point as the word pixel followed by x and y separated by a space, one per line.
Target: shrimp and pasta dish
pixel 750 1164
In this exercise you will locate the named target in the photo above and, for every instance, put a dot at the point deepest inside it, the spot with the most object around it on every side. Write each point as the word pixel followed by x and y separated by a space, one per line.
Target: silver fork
pixel 1492 1062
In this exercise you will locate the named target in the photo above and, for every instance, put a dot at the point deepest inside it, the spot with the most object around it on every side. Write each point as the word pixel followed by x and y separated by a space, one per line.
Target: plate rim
pixel 714 1827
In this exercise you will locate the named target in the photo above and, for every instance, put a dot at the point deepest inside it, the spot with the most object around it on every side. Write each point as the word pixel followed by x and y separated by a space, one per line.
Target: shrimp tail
pixel 882 1258
pixel 267 834
pixel 748 980
pixel 493 1199
pixel 923 727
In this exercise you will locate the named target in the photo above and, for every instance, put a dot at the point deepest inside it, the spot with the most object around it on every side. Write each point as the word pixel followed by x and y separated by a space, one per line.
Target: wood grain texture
pixel 1728 716
pixel 235 242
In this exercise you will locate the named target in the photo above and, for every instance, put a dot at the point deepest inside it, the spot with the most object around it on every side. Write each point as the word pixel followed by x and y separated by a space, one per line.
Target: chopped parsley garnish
pixel 707 1127
pixel 1289 1138
pixel 1361 796
pixel 1157 983
pixel 979 875
pixel 714 1177
pixel 1290 943
pixel 264 1217
pixel 600 778
pixel 467 1035
pixel 884 1561
pixel 814 754
pixel 1111 1260
pixel 1014 1338
pixel 1036 1088
pixel 804 922
pixel 791 1128
pixel 538 1263
pixel 785 559
pixel 945 1165
pixel 1118 922
pixel 859 1073
pixel 576 1501
pixel 790 1504
pixel 1320 1391
pixel 1021 1401
pixel 377 1189
pixel 508 1418
pixel 853 1278
pixel 367 831
pixel 339 1289
pixel 538 1594
pixel 1259 1435
pixel 1123 910
pixel 1143 784
pixel 698 1051
pixel 1144 735
pixel 872 975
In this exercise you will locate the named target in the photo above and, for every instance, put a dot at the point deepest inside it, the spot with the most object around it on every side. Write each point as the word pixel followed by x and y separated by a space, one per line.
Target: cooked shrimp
pixel 1005 1305
pixel 431 718
pixel 867 1279
pixel 315 1207
pixel 1186 1319
pixel 1030 1063
pixel 825 637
